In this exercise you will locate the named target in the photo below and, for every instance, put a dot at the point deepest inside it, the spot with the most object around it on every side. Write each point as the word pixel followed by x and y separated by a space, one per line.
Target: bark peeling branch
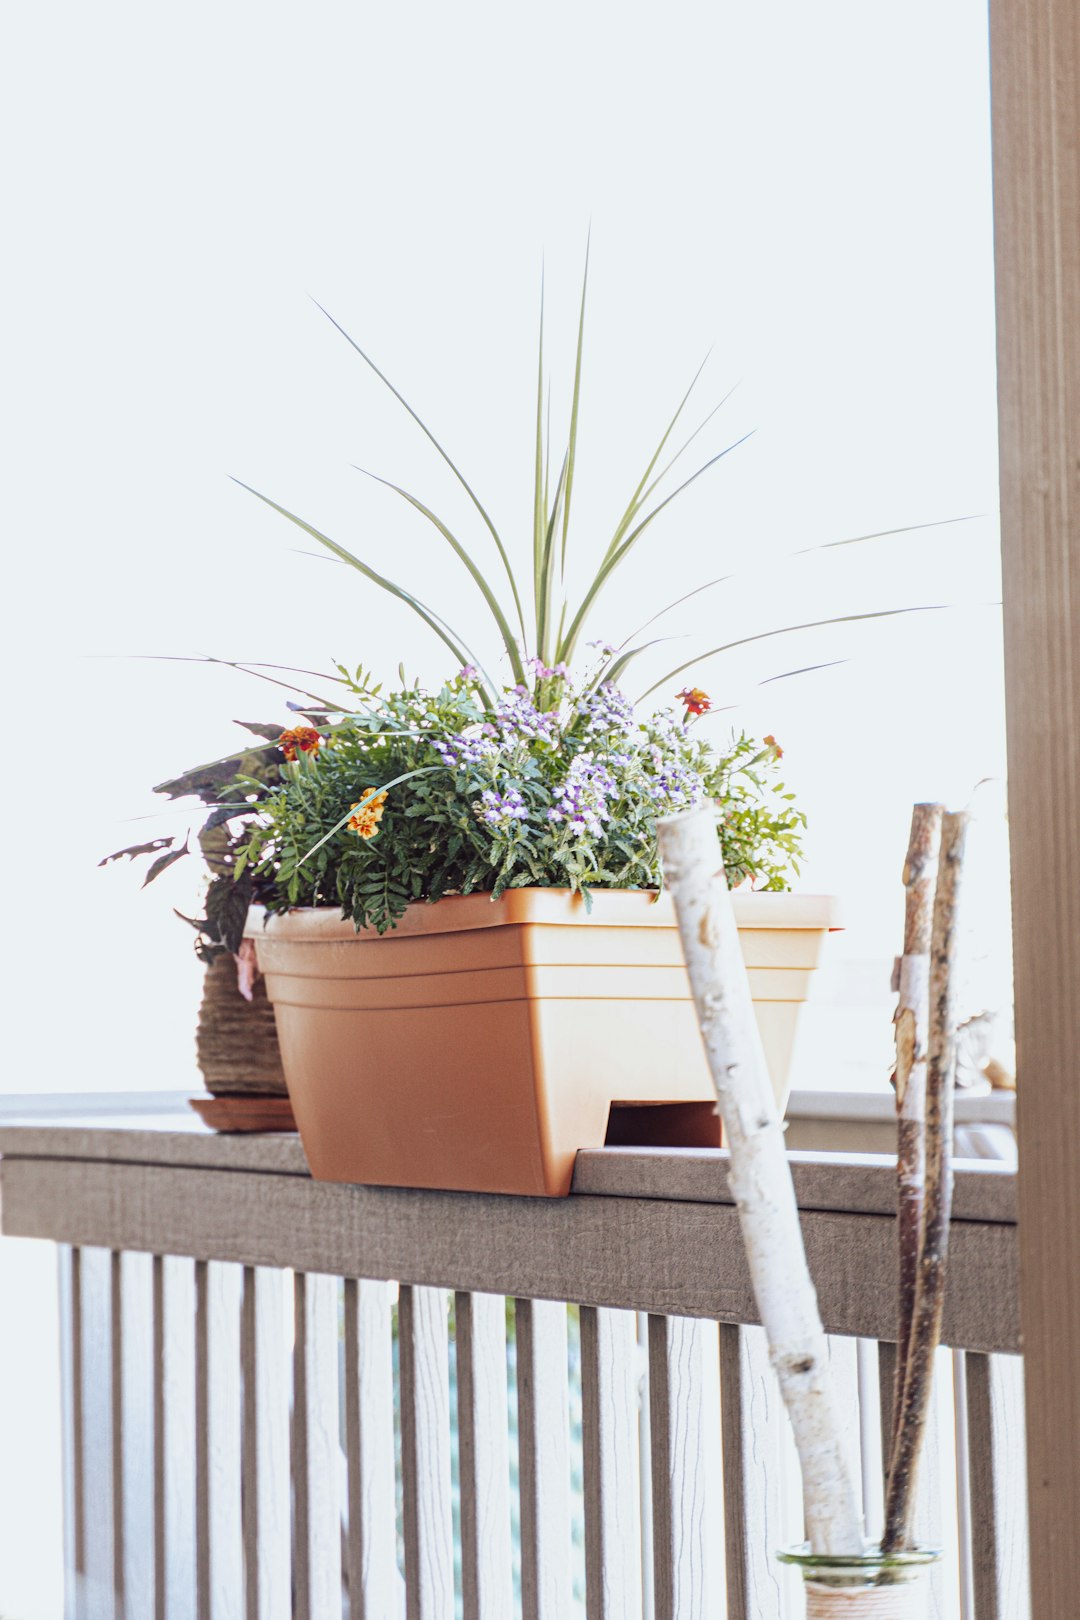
pixel 760 1175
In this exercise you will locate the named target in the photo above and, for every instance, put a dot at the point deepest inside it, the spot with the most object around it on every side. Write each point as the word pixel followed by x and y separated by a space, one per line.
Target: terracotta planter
pixel 479 1046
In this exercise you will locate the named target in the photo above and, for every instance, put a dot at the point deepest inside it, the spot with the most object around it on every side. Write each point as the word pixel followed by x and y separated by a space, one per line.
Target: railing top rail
pixel 843 1182
pixel 649 1231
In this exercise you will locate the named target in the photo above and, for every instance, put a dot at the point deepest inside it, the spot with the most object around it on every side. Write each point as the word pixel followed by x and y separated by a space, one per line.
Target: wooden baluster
pixel 373 1577
pixel 425 1453
pixel 681 1552
pixel 935 1524
pixel 174 1438
pixel 754 1522
pixel 316 1450
pixel 133 1434
pixel 998 1481
pixel 265 1450
pixel 886 1391
pixel 871 1462
pixel 609 1418
pixel 483 1456
pixel 543 1459
pixel 86 1324
pixel 218 1530
pixel 71 1460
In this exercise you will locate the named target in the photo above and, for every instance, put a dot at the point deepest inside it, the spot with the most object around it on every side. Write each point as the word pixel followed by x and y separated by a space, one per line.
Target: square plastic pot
pixel 480 1044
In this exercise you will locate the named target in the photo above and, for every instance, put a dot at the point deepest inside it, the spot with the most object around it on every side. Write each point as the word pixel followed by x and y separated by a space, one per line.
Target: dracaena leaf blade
pixel 458 474
pixel 434 622
pixel 460 551
pixel 787 630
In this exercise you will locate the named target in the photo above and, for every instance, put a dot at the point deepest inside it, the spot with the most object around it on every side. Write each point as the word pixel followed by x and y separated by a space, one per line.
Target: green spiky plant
pixel 553 634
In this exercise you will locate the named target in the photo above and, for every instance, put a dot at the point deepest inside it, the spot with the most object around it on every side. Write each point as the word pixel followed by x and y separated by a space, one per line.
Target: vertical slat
pixel 71 1462
pixel 316 1450
pixel 373 1577
pixel 425 1453
pixel 174 1438
pixel 648 1582
pixel 543 1459
pixel 265 1460
pixel 886 1393
pixel 963 1487
pixel 679 1486
pixel 870 1437
pixel 133 1434
pixel 483 1456
pixel 934 1524
pixel 995 1414
pixel 220 1568
pixel 91 1417
pixel 751 1416
pixel 609 1419
pixel 844 1374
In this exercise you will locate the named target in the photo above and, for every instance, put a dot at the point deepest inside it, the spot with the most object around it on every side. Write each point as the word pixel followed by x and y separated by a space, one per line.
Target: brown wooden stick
pixel 912 1019
pixel 937 1199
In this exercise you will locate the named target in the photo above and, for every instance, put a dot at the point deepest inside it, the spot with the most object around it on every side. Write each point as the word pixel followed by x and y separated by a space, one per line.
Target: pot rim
pixel 612 908
pixel 871 1559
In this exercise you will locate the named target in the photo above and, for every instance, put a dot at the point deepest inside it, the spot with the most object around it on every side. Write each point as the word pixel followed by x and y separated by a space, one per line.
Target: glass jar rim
pixel 871 1559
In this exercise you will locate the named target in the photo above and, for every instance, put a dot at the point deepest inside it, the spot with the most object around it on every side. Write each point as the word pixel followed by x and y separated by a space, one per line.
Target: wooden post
pixel 1035 61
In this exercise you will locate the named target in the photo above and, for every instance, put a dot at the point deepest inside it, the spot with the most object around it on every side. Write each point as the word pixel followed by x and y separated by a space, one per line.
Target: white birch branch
pixel 760 1175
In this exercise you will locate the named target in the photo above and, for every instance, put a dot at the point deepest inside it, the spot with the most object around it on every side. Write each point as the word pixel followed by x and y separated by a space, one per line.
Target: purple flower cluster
pixel 581 798
pixel 501 809
pixel 606 709
pixel 518 717
pixel 464 750
pixel 676 786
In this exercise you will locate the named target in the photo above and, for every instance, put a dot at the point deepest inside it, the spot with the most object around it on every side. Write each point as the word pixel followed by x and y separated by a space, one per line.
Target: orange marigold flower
pixel 696 701
pixel 299 740
pixel 771 742
pixel 366 821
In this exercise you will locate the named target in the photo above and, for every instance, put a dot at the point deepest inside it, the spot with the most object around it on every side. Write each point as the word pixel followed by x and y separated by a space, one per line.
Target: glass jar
pixel 867 1586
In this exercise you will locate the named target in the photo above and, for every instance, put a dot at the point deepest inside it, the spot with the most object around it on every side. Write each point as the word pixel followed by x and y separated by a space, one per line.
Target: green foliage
pixel 421 795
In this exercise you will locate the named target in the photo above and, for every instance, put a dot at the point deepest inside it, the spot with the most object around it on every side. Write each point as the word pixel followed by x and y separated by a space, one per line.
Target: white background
pixel 804 190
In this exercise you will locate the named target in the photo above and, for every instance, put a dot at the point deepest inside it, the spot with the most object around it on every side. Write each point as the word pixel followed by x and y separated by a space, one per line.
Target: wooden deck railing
pixel 289 1398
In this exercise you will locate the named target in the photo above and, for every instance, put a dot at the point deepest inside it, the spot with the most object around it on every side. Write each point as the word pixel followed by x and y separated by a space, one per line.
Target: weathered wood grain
pixel 133 1434
pixel 1035 72
pixel 609 1424
pixel 751 1419
pixel 316 1450
pixel 683 1587
pixel 543 1458
pixel 484 1456
pixel 848 1182
pixel 174 1438
pixel 996 1456
pixel 425 1453
pixel 682 1259
pixel 372 1573
pixel 265 1458
pixel 91 1576
pixel 67 1301
pixel 218 1530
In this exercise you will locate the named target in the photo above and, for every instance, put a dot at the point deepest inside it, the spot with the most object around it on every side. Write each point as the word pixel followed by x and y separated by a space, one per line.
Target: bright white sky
pixel 804 190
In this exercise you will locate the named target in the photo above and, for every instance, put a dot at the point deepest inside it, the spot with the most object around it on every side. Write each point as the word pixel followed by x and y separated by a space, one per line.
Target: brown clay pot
pixel 480 1044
